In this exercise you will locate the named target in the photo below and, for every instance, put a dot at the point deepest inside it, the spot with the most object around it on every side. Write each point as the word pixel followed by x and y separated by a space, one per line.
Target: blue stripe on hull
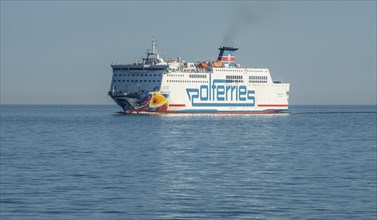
pixel 236 111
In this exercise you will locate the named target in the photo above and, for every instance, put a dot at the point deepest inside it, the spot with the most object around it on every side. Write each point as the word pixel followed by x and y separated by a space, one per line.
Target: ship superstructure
pixel 177 86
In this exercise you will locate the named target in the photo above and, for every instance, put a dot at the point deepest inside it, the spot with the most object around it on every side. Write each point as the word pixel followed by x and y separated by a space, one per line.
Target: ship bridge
pixel 144 76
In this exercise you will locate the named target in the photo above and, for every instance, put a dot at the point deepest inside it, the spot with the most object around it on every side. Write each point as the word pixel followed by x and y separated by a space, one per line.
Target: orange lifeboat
pixel 203 65
pixel 217 63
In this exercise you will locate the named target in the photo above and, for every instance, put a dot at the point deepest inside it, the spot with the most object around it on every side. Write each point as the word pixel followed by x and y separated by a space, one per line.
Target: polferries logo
pixel 218 94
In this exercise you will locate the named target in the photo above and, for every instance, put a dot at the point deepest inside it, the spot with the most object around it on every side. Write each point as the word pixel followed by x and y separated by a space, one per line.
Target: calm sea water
pixel 89 162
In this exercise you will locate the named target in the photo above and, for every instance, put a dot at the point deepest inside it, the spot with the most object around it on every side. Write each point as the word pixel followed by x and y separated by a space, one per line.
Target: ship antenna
pixel 154 45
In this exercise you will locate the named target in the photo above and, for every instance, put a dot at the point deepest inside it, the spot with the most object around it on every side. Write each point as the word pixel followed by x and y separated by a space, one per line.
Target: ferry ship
pixel 153 85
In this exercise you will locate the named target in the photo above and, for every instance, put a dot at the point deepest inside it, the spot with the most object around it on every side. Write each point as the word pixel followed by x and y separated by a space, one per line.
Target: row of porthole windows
pixel 258 77
pixel 233 77
pixel 187 81
pixel 197 76
pixel 256 71
pixel 234 81
pixel 229 70
pixel 137 80
pixel 257 81
pixel 176 75
pixel 137 74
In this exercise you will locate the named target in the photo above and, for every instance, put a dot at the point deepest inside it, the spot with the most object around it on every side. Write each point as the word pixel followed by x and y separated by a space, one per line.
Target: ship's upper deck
pixel 153 61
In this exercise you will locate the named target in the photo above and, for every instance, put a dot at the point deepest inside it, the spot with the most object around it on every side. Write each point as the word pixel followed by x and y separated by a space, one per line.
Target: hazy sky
pixel 60 52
